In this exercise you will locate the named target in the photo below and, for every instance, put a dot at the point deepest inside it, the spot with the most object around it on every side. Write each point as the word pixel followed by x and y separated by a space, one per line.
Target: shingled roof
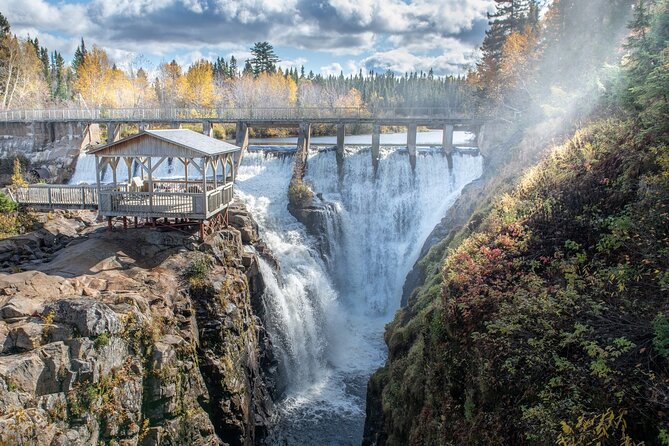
pixel 196 143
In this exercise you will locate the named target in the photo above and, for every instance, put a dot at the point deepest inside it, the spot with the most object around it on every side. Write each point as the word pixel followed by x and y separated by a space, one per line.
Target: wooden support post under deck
pixel 376 141
pixel 125 222
pixel 341 134
pixel 109 223
pixel 412 129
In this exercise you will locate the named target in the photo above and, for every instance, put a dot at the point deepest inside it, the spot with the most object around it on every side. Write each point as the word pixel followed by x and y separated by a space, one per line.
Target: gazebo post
pixel 128 164
pixel 186 161
pixel 205 166
pixel 150 185
pixel 215 169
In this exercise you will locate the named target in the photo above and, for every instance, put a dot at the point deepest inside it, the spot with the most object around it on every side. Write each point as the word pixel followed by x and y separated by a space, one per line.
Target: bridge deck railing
pixel 225 114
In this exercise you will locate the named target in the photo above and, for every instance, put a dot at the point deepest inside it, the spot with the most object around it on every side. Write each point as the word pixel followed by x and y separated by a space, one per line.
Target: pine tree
pixel 248 69
pixel 232 67
pixel 4 26
pixel 79 55
pixel 264 59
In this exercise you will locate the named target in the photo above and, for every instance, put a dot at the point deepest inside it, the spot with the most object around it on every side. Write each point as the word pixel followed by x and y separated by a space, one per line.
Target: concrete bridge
pixel 45 122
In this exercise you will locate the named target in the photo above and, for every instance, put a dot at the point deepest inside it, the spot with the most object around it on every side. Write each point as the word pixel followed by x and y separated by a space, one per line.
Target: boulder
pixel 36 372
pixel 27 335
pixel 19 307
pixel 89 317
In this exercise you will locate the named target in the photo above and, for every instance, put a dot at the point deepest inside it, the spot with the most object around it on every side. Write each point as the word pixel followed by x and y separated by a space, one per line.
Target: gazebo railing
pixel 219 198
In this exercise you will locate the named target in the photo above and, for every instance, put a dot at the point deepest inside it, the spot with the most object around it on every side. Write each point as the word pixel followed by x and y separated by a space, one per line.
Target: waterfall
pixel 326 316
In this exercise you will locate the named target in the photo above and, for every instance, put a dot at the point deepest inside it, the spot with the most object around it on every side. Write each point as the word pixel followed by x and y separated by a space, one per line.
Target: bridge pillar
pixel 208 129
pixel 447 144
pixel 113 132
pixel 143 126
pixel 341 133
pixel 376 142
pixel 303 142
pixel 412 130
pixel 241 140
pixel 479 136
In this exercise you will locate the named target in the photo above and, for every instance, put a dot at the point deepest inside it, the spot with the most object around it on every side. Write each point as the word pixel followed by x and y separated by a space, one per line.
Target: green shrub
pixel 299 194
pixel 102 340
pixel 6 203
pixel 197 270
pixel 661 338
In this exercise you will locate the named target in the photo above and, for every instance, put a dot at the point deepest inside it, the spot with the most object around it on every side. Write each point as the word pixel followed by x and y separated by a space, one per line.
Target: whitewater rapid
pixel 326 316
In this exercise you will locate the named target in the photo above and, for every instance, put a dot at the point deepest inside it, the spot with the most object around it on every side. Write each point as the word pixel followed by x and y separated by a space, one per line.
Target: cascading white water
pixel 327 318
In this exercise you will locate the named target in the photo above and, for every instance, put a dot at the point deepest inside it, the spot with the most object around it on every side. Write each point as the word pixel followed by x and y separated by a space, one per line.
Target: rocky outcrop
pixel 56 230
pixel 49 149
pixel 114 341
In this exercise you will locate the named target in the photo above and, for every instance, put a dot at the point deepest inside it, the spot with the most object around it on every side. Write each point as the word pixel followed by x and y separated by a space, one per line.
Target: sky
pixel 325 36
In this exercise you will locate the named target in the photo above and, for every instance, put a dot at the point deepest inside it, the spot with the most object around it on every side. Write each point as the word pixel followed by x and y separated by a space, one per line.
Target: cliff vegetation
pixel 545 320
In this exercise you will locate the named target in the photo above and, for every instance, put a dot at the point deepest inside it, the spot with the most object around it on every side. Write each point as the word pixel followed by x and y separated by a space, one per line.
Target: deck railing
pixel 145 204
pixel 57 196
pixel 227 114
pixel 219 198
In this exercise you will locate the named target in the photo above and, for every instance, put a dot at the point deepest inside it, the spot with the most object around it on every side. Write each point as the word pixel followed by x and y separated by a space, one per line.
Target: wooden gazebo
pixel 198 193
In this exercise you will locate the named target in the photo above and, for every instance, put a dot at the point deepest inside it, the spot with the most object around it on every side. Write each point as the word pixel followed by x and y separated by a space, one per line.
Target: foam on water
pixel 327 317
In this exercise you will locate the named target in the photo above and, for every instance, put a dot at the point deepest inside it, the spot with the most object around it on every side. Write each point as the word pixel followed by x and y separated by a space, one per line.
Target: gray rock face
pixel 89 317
pixel 109 343
pixel 50 148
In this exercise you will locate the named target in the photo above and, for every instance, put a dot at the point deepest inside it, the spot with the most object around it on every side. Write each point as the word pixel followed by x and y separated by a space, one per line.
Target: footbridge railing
pixel 228 114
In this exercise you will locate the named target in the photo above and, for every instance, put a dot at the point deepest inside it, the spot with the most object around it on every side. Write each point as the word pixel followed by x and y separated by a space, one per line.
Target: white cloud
pixel 403 61
pixel 295 63
pixel 332 69
pixel 414 29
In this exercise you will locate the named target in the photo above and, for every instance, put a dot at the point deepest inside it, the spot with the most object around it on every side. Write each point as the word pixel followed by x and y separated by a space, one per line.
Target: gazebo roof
pixel 172 143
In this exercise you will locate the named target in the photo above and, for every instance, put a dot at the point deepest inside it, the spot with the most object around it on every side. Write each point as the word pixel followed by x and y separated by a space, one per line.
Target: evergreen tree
pixel 646 71
pixel 248 69
pixel 4 26
pixel 264 59
pixel 232 67
pixel 79 55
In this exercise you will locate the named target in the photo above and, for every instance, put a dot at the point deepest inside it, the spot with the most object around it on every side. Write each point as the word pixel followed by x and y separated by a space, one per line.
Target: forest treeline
pixel 32 77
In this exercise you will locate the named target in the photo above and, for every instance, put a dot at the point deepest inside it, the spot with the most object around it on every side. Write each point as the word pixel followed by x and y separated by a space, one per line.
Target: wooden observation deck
pixel 200 195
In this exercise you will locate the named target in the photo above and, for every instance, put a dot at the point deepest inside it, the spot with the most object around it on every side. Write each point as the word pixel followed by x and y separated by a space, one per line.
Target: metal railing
pixel 227 114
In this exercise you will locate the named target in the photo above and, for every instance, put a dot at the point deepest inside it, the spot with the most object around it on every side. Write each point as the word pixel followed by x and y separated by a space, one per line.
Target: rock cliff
pixel 134 337
pixel 49 150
